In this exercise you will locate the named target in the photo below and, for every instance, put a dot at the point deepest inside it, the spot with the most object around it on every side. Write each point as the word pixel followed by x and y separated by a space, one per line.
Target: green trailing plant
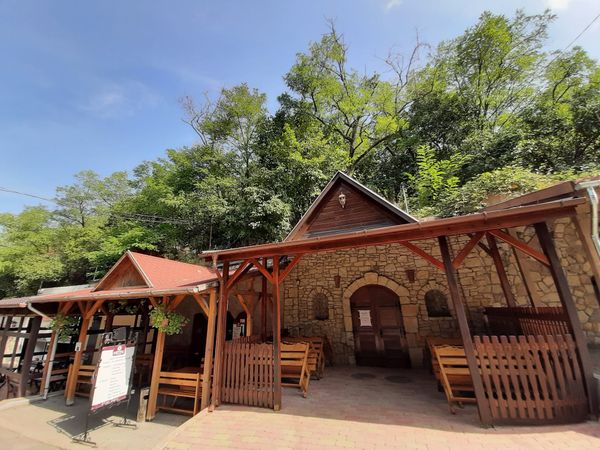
pixel 123 307
pixel 168 322
pixel 64 326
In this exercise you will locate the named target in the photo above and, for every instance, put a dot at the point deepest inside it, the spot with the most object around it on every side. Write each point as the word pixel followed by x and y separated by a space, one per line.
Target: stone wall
pixel 387 265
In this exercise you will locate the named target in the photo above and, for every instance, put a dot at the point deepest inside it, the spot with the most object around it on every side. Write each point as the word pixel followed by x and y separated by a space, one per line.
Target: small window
pixel 437 304
pixel 321 306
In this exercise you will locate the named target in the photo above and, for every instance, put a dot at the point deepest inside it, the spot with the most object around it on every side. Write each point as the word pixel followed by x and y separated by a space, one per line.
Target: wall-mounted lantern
pixel 342 199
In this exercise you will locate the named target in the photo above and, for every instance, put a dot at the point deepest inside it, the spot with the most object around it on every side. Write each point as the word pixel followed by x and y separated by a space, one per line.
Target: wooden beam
pixel 408 232
pixel 34 328
pixel 202 303
pixel 4 339
pixel 564 293
pixel 46 373
pixel 153 302
pixel 276 334
pixel 522 246
pixel 65 307
pixel 82 308
pixel 248 310
pixel 504 283
pixel 459 309
pixel 467 249
pixel 584 231
pixel 72 380
pixel 209 349
pixel 176 302
pixel 522 265
pixel 262 269
pixel 423 254
pixel 263 309
pixel 220 338
pixel 242 268
pixel 156 368
pixel 290 266
pixel 93 308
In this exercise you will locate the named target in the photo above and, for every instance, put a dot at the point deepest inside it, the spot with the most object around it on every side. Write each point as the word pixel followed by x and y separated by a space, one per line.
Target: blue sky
pixel 95 85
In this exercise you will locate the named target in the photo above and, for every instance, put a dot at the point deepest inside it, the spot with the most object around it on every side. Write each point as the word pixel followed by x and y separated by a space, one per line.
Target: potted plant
pixel 168 322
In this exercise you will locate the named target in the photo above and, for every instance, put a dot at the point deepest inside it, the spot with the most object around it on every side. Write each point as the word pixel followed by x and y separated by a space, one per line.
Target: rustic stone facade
pixel 338 274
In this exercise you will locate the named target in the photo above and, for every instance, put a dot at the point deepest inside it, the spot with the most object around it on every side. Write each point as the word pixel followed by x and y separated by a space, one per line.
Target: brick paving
pixel 343 411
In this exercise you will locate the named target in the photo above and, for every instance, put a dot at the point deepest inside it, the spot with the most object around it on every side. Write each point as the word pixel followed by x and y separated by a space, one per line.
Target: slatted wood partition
pixel 531 378
pixel 248 374
pixel 548 320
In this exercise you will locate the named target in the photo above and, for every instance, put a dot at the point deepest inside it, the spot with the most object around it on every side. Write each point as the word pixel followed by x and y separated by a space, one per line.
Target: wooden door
pixel 379 337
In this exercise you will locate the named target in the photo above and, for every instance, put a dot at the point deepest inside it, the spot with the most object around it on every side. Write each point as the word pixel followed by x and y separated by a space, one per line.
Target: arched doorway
pixel 379 337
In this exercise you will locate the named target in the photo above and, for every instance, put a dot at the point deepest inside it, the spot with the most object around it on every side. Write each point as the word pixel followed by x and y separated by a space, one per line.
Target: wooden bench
pixel 180 385
pixel 316 356
pixel 85 377
pixel 294 366
pixel 432 341
pixel 454 375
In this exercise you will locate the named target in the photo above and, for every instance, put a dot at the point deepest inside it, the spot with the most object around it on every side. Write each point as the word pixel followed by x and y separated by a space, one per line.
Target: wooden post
pixel 584 231
pixel 156 368
pixel 263 309
pixel 276 334
pixel 47 372
pixel 504 283
pixel 523 266
pixel 564 293
pixel 72 380
pixel 459 309
pixel 220 340
pixel 4 339
pixel 210 347
pixel 34 328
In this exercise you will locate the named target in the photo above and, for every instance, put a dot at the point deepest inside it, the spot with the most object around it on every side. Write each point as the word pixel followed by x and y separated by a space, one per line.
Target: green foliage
pixel 435 178
pixel 168 322
pixel 486 115
pixel 64 326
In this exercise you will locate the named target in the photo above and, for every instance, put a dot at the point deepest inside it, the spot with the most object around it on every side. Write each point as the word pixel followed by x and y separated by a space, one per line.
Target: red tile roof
pixel 166 277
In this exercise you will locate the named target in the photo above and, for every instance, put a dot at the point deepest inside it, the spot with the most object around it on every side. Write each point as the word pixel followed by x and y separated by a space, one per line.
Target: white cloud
pixel 557 5
pixel 390 4
pixel 118 100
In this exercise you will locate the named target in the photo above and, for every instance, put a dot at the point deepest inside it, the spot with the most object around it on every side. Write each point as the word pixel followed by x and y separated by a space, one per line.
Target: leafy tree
pixel 363 111
pixel 435 178
pixel 29 251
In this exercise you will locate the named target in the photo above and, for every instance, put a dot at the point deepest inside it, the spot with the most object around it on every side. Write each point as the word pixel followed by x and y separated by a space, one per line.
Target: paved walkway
pixel 365 408
pixel 50 424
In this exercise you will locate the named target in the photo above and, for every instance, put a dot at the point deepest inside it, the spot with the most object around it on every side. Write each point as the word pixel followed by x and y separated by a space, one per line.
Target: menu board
pixel 364 315
pixel 113 375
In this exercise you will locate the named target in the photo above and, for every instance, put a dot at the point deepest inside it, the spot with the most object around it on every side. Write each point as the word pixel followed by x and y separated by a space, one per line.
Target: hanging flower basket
pixel 64 326
pixel 168 322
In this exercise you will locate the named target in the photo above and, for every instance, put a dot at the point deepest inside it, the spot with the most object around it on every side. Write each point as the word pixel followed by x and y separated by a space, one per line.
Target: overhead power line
pixel 12 191
pixel 147 218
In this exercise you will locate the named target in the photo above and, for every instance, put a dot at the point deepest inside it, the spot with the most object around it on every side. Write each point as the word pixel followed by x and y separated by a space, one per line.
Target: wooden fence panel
pixel 531 378
pixel 521 320
pixel 248 377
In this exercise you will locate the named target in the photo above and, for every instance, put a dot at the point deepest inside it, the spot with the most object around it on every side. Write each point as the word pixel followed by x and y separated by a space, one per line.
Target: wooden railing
pixel 531 378
pixel 516 321
pixel 248 374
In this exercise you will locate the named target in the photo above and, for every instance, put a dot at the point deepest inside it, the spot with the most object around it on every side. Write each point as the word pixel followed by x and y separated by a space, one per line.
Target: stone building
pixel 317 295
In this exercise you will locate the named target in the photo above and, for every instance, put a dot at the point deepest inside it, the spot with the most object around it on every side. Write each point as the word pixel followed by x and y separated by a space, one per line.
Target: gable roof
pixel 155 272
pixel 157 276
pixel 392 214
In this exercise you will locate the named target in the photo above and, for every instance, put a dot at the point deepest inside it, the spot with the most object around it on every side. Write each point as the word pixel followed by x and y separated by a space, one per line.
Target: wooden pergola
pixel 135 277
pixel 276 261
